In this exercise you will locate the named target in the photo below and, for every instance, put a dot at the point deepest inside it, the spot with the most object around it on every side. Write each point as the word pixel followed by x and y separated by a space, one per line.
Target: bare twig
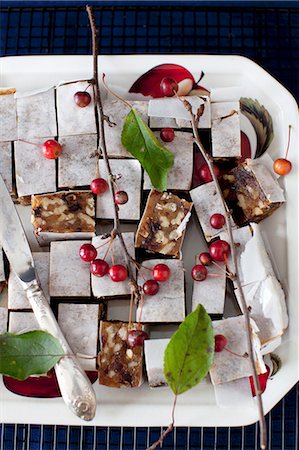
pixel 235 277
pixel 168 429
pixel 102 144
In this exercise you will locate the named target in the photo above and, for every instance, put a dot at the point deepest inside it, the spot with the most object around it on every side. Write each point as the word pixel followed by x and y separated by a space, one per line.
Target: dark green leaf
pixel 140 141
pixel 189 354
pixel 32 353
pixel 261 121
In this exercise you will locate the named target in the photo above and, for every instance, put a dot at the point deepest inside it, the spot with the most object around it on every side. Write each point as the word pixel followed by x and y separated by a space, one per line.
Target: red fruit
pixel 205 173
pixel 82 98
pixel 217 221
pixel 219 250
pixel 167 134
pixel 199 272
pixel 220 342
pixel 161 272
pixel 150 287
pixel 245 147
pixel 98 186
pixel 263 378
pixel 51 149
pixel 118 273
pixel 121 197
pixel 205 258
pixel 282 166
pixel 99 267
pixel 87 252
pixel 168 87
pixel 149 82
pixel 136 338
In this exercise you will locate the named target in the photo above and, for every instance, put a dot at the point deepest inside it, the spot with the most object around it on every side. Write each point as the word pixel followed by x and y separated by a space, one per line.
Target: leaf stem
pixel 114 93
pixel 102 144
pixel 235 277
pixel 289 139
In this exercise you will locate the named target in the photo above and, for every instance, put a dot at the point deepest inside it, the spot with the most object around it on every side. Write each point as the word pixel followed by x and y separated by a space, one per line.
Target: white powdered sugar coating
pixel 154 361
pixel 6 163
pixel 168 305
pixel 34 173
pixel 22 322
pixel 76 167
pixel 180 175
pixel 79 324
pixel 69 275
pixel 104 286
pixel 82 119
pixel 36 115
pixel 226 134
pixel 8 114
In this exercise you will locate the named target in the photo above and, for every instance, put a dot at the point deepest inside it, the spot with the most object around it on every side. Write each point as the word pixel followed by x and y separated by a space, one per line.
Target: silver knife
pixel 75 387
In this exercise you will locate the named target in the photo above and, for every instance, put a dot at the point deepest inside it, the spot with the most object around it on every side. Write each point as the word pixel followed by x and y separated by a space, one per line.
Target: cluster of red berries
pixel 99 186
pixel 161 273
pixel 218 251
pixel 99 267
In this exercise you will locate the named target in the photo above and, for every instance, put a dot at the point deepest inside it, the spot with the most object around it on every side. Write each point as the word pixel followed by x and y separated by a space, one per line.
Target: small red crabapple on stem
pixel 87 252
pixel 118 273
pixel 168 87
pixel 205 173
pixel 205 258
pixel 219 250
pixel 220 342
pixel 121 197
pixel 167 134
pixel 136 338
pixel 199 272
pixel 98 186
pixel 161 272
pixel 282 166
pixel 150 287
pixel 217 221
pixel 99 267
pixel 82 98
pixel 51 149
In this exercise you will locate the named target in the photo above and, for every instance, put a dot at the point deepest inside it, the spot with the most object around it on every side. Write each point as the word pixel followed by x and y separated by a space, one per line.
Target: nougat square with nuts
pixel 162 227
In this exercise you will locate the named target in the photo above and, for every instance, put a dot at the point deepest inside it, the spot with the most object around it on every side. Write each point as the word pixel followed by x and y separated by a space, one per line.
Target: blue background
pixel 267 32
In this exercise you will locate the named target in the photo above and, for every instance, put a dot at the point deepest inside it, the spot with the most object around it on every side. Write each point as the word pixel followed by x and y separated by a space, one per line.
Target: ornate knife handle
pixel 75 387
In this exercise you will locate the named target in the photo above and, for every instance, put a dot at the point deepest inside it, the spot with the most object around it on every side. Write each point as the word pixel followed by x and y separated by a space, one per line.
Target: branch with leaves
pixel 233 276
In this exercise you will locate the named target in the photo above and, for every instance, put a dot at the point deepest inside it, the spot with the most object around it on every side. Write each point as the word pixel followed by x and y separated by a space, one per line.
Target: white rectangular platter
pixel 145 407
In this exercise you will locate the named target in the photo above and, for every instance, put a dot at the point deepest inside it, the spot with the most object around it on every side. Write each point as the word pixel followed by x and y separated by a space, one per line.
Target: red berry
pixel 217 221
pixel 205 173
pixel 82 98
pixel 219 250
pixel 87 252
pixel 121 197
pixel 263 378
pixel 161 272
pixel 51 149
pixel 220 342
pixel 199 272
pixel 282 166
pixel 98 186
pixel 151 287
pixel 168 86
pixel 118 273
pixel 136 338
pixel 99 267
pixel 205 258
pixel 167 134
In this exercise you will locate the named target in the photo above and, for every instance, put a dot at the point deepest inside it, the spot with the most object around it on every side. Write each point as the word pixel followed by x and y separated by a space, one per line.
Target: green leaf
pixel 140 141
pixel 189 354
pixel 261 121
pixel 32 353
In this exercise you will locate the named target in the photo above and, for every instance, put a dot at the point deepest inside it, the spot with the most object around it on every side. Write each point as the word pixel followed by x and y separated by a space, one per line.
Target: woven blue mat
pixel 267 32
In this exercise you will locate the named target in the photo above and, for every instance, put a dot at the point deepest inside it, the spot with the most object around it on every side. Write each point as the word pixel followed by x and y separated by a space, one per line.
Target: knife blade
pixel 75 387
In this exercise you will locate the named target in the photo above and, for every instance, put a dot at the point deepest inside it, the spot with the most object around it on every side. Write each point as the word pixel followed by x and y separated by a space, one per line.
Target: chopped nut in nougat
pixel 163 223
pixel 226 134
pixel 168 304
pixel 119 365
pixel 63 215
pixel 180 174
pixel 252 192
